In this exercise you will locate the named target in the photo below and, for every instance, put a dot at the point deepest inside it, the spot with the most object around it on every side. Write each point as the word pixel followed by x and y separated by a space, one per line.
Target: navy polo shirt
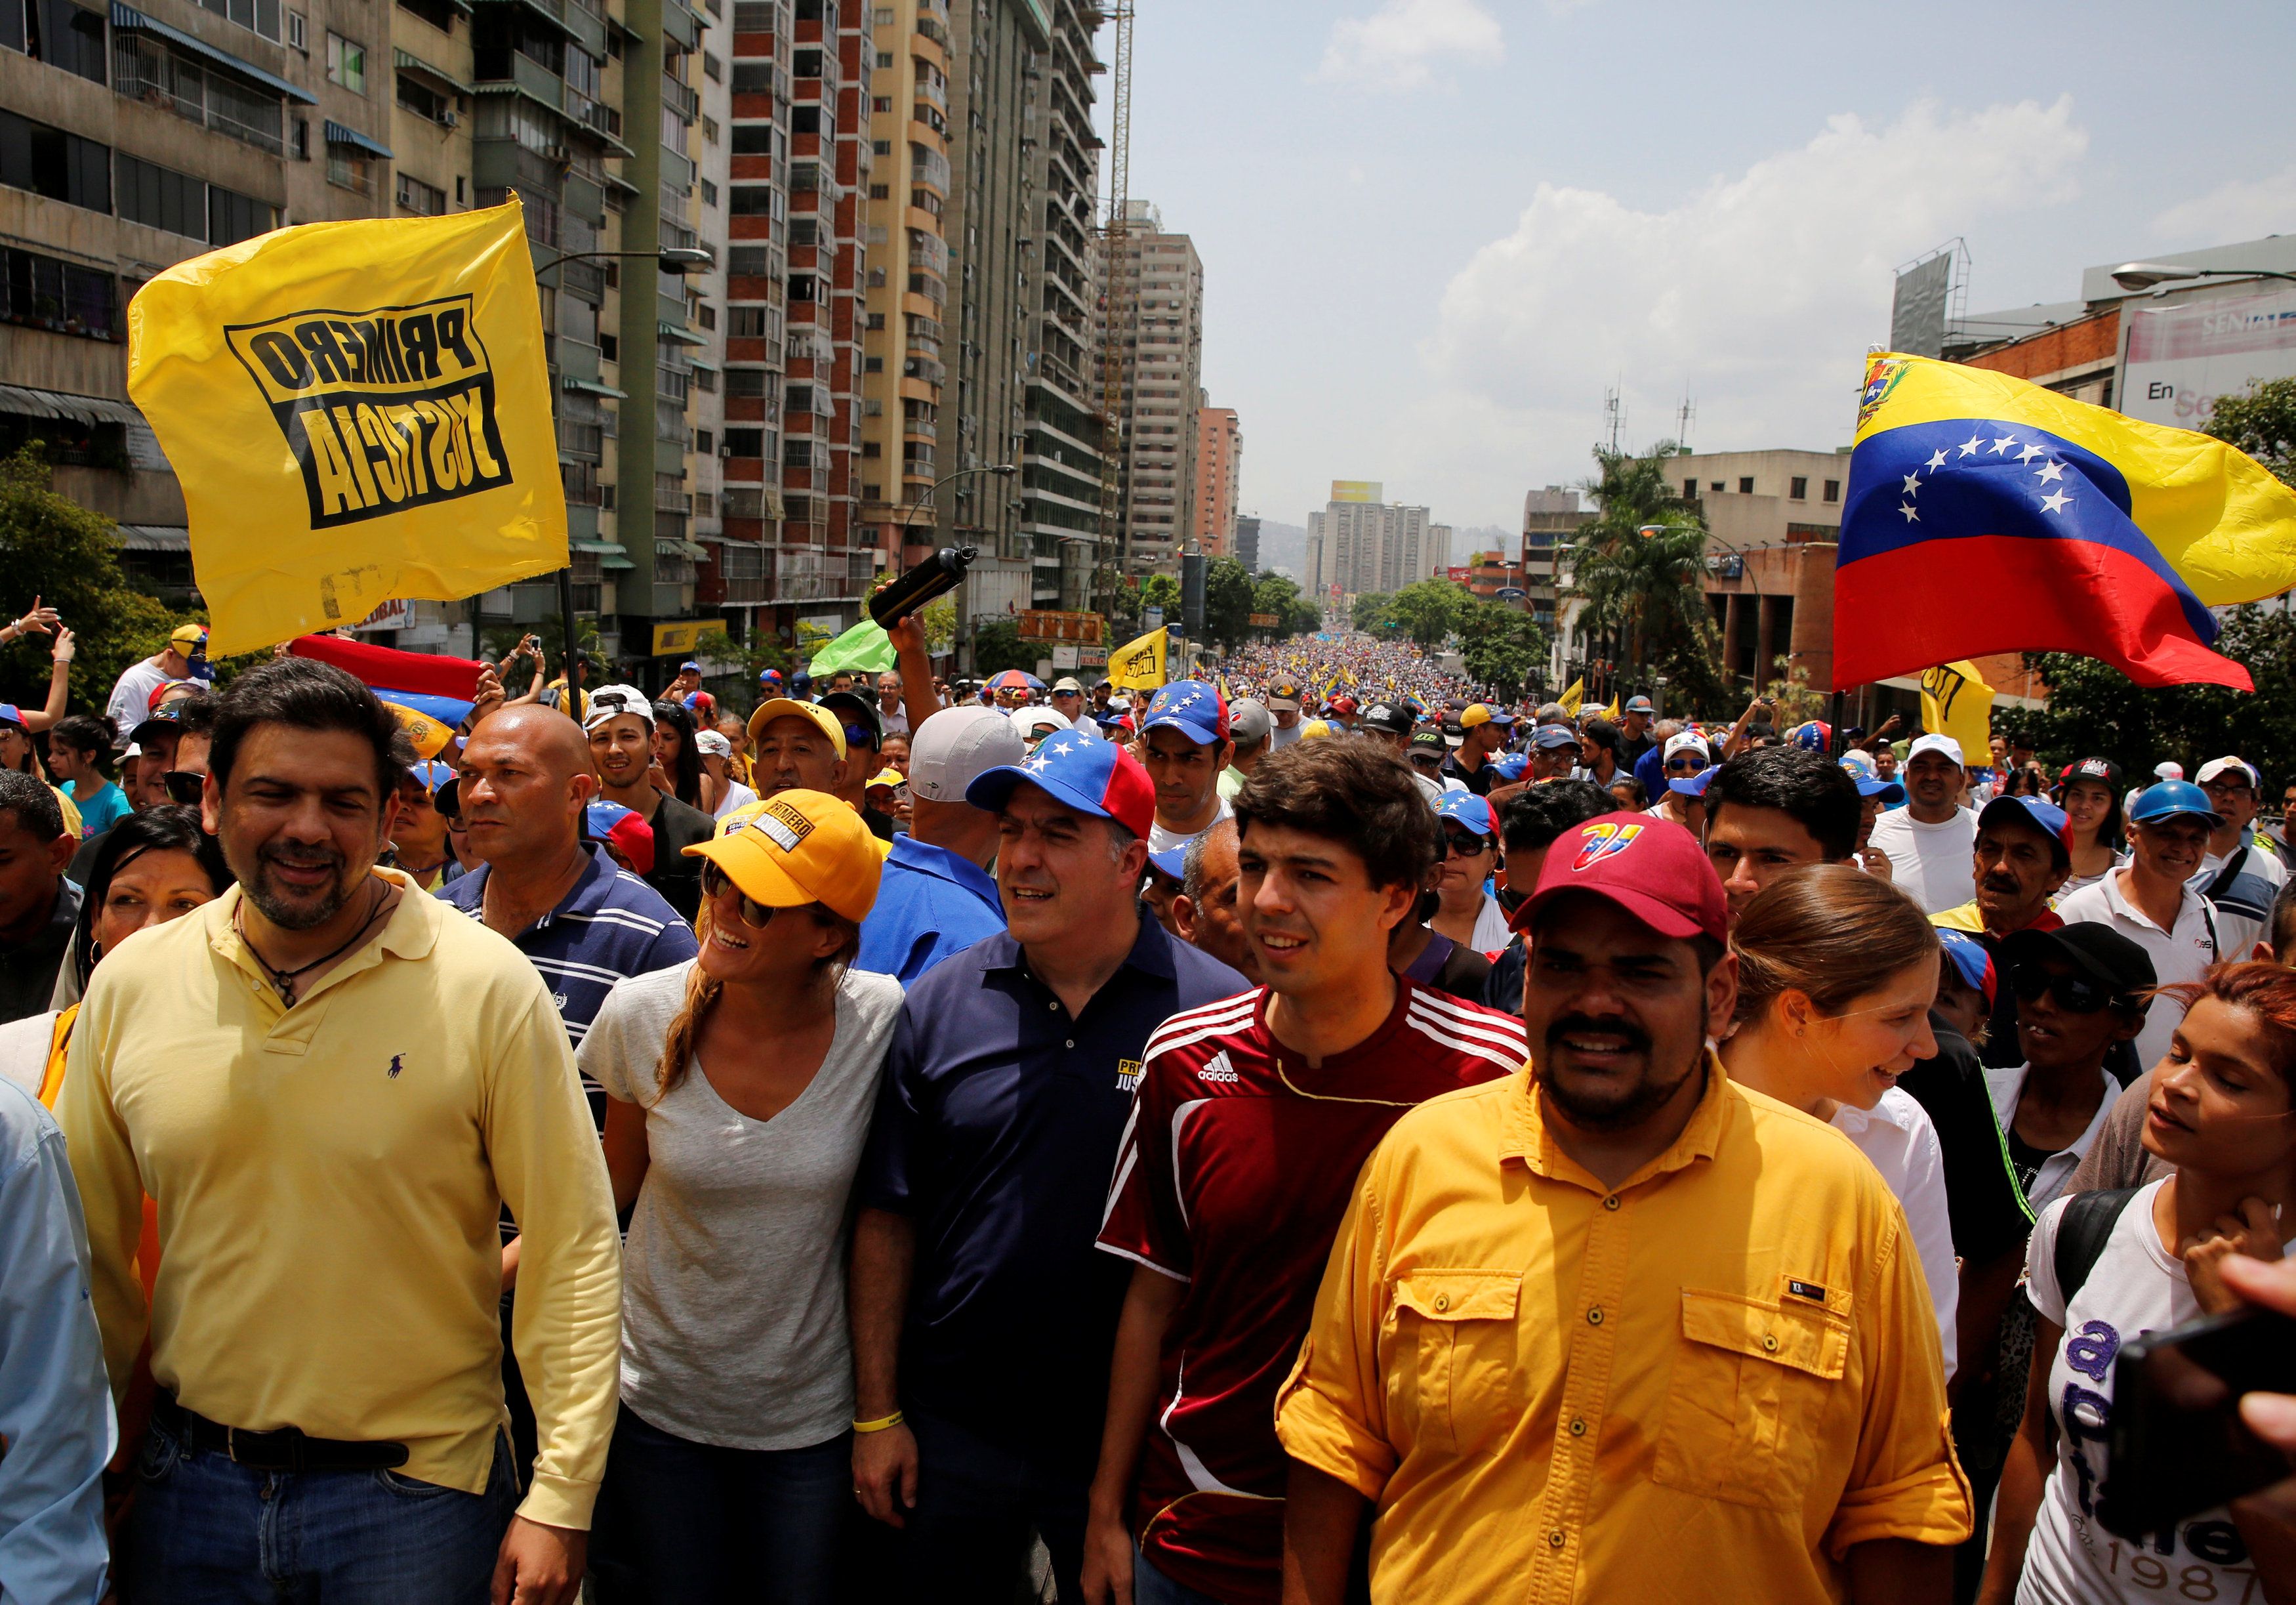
pixel 997 1129
pixel 930 903
pixel 611 925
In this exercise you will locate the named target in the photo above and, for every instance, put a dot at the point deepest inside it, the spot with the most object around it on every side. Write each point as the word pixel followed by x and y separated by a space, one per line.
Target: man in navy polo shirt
pixel 983 1319
pixel 936 897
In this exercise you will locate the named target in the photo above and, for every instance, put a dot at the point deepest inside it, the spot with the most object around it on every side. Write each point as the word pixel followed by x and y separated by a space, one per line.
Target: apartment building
pixel 1159 294
pixel 1219 465
pixel 1247 544
pixel 727 583
pixel 1361 544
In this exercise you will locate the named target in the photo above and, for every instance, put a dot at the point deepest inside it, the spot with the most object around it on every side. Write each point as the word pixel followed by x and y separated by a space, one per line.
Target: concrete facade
pixel 1161 283
pixel 1219 465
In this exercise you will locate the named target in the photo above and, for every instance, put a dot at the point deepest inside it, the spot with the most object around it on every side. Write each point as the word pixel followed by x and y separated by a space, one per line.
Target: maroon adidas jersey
pixel 1233 1175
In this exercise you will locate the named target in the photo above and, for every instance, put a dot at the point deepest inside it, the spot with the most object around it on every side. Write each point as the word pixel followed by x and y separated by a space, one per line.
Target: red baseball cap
pixel 1652 869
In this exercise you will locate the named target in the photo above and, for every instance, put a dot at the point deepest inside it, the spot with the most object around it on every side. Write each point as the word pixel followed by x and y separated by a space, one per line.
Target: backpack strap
pixel 2225 876
pixel 2082 1232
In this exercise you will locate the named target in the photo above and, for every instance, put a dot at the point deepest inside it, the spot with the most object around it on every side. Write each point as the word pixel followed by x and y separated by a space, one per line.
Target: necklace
pixel 283 981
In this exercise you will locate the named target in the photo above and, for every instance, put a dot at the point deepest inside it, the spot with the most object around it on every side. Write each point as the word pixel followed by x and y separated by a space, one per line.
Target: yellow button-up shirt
pixel 1706 1384
pixel 328 1179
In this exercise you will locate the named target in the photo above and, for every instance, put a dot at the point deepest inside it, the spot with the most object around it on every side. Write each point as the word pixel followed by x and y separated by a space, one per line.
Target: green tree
pixel 1369 611
pixel 998 645
pixel 2096 711
pixel 1502 646
pixel 1648 591
pixel 1429 610
pixel 2261 423
pixel 1228 603
pixel 1162 590
pixel 68 557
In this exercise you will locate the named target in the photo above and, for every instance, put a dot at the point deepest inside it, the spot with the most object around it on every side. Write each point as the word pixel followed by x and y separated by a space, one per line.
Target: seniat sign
pixel 356 412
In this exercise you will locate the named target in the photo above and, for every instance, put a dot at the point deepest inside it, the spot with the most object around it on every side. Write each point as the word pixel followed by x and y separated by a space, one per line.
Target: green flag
pixel 863 649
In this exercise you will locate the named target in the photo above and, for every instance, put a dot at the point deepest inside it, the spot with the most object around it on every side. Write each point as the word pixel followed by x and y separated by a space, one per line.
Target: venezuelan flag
pixel 1988 515
pixel 431 696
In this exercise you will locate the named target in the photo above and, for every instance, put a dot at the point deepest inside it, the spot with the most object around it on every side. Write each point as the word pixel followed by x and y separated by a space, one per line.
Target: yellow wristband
pixel 880 1424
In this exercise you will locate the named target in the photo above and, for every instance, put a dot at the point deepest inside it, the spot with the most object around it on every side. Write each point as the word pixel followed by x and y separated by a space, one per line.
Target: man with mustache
pixel 2021 859
pixel 1613 1327
pixel 330 1084
pixel 1226 1221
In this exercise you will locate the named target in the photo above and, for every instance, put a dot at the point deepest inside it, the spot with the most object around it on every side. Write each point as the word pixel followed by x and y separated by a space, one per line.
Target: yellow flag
pixel 356 411
pixel 1956 702
pixel 1139 665
pixel 1611 713
pixel 428 735
pixel 1571 698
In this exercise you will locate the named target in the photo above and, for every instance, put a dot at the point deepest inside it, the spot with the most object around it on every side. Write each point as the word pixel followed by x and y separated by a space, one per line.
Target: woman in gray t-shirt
pixel 741 1087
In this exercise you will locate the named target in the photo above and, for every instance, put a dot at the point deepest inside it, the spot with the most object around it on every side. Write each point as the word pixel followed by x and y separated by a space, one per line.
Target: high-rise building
pixel 1361 544
pixel 1159 295
pixel 1247 544
pixel 1439 547
pixel 1219 465
pixel 728 582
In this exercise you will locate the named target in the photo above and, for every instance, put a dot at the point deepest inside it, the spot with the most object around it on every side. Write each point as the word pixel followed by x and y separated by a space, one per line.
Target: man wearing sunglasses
pixel 2079 991
pixel 2240 873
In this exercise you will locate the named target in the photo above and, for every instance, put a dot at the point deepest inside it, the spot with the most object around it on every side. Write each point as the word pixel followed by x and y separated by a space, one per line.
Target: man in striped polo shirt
pixel 1253 1116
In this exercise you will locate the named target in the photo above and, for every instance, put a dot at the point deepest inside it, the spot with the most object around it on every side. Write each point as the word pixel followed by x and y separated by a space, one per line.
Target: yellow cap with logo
pixel 786 707
pixel 799 847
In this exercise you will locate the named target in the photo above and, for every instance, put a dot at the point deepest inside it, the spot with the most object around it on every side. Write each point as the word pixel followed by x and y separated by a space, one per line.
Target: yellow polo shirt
pixel 1706 1385
pixel 329 1179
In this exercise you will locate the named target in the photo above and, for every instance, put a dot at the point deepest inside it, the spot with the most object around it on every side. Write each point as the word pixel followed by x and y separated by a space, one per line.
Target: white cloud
pixel 1757 295
pixel 1394 46
pixel 2239 209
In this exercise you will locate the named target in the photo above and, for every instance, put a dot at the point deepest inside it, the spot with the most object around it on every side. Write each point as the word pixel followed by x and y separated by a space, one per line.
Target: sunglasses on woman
pixel 755 915
pixel 1466 843
pixel 1689 763
pixel 2075 994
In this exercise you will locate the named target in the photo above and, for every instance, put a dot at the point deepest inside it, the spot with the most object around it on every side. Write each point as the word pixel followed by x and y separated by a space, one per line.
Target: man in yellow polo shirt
pixel 1613 1327
pixel 330 1084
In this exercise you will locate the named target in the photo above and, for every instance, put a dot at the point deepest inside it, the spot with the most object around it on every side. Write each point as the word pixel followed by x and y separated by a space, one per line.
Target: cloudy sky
pixel 1435 231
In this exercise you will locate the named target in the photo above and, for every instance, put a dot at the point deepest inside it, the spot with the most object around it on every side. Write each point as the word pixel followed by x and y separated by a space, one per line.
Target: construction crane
pixel 1119 294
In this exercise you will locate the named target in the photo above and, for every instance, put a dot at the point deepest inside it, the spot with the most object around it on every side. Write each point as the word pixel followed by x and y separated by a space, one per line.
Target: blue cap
pixel 2170 798
pixel 769 676
pixel 1511 767
pixel 1969 959
pixel 1191 707
pixel 2041 812
pixel 1693 785
pixel 1465 808
pixel 689 664
pixel 1639 704
pixel 1870 784
pixel 431 773
pixel 1172 861
pixel 1096 777
pixel 1554 735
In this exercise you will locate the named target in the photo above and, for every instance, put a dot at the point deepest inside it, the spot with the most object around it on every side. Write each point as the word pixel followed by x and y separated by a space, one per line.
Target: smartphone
pixel 2176 1444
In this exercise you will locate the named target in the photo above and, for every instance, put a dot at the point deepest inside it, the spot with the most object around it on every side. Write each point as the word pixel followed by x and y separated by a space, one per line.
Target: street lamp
pixel 2144 276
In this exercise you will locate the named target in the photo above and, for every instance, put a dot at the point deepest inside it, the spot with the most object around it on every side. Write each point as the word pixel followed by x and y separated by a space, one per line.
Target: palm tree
pixel 1640 569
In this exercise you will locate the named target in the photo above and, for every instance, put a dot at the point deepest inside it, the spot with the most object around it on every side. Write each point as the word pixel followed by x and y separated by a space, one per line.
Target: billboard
pixel 2178 358
pixel 1039 624
pixel 1917 309
pixel 1357 490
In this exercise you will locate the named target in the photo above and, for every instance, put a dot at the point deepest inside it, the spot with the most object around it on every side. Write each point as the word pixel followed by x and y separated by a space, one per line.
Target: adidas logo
pixel 1218 1070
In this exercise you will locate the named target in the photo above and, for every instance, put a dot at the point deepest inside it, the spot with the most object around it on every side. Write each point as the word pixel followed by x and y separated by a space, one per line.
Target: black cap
pixel 1386 717
pixel 1430 742
pixel 854 709
pixel 2096 951
pixel 1601 733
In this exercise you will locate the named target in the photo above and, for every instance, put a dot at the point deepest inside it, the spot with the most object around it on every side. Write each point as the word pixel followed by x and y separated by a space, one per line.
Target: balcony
pixel 144 70
pixel 932 87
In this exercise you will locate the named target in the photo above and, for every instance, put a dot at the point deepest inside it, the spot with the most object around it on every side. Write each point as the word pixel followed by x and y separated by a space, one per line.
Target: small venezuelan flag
pixel 1987 515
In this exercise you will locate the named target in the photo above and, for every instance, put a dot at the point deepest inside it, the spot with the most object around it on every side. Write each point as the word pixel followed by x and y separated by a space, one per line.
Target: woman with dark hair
pixel 678 756
pixel 1836 973
pixel 2092 803
pixel 153 866
pixel 79 755
pixel 2223 1111
pixel 739 1087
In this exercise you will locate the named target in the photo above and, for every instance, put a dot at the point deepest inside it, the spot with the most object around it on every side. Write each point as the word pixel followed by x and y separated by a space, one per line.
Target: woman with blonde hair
pixel 1836 974
pixel 740 1086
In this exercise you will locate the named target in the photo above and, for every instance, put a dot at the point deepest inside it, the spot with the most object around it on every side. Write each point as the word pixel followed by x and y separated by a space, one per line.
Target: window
pixel 704 379
pixel 65 35
pixel 753 139
pixel 704 442
pixel 804 231
pixel 1798 488
pixel 805 64
pixel 1833 490
pixel 299 31
pixel 610 347
pixel 709 129
pixel 45 293
pixel 161 198
pixel 881 102
pixel 348 167
pixel 753 16
pixel 797 398
pixel 876 320
pixel 804 119
pixel 745 323
pixel 880 192
pixel 884 58
pixel 708 192
pixel 753 77
pixel 257 16
pixel 426 102
pixel 346 66
pixel 420 198
pixel 1716 485
pixel 883 147
pixel 873 365
pixel 1690 489
pixel 750 201
pixel 1746 486
pixel 745 382
pixel 800 286
pixel 438 13
pixel 870 448
pixel 712 68
pixel 706 314
pixel 48 161
pixel 745 442
pixel 232 217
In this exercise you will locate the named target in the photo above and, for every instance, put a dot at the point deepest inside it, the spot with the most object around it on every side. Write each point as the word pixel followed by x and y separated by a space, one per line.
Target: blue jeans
pixel 681 1521
pixel 1153 1587
pixel 968 1536
pixel 206 1530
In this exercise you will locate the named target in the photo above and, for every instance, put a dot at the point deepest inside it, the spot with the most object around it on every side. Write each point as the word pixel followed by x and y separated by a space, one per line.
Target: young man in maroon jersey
pixel 1252 1118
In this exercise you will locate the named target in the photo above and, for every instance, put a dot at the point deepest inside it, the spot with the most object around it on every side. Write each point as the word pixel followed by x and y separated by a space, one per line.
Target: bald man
pixel 1206 910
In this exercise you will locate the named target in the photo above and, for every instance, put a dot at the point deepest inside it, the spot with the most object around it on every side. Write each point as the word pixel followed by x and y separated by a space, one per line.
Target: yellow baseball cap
pixel 1315 727
pixel 888 776
pixel 795 848
pixel 786 706
pixel 188 635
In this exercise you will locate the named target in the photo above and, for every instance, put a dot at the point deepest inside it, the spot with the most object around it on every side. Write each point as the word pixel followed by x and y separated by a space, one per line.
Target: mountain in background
pixel 1483 538
pixel 1283 549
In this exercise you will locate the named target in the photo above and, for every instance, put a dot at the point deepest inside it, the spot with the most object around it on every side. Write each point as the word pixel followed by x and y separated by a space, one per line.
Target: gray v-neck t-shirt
pixel 734 1317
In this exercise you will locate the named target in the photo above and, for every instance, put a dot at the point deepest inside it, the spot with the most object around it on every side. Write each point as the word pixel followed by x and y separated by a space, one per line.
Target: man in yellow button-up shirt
pixel 329 1084
pixel 1613 1327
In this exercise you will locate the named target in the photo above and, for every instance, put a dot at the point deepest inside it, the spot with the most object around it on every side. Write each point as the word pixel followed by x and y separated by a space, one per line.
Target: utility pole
pixel 1119 294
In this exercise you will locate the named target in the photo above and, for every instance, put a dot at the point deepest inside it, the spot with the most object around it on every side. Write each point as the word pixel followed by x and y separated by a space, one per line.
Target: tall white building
pixel 1361 544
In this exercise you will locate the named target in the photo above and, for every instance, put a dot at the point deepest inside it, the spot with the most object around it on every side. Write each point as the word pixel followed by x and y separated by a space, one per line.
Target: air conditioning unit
pixel 448 118
pixel 725 451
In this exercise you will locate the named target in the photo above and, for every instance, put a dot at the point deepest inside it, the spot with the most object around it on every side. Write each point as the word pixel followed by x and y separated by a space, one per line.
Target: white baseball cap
pixel 957 747
pixel 2169 769
pixel 611 702
pixel 1038 721
pixel 1680 739
pixel 713 744
pixel 1934 743
pixel 2218 766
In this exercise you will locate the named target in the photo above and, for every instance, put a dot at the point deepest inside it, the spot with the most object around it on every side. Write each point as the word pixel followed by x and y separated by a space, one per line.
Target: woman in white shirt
pixel 1836 974
pixel 2221 1111
pixel 739 1088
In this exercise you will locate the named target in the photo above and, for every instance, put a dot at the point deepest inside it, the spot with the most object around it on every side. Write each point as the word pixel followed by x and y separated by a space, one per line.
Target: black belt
pixel 283 1449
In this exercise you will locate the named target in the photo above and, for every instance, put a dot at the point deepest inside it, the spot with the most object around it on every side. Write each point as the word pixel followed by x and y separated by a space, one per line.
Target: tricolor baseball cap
pixel 1815 735
pixel 1971 962
pixel 799 847
pixel 1194 708
pixel 769 676
pixel 957 747
pixel 1682 740
pixel 188 635
pixel 1172 863
pixel 1511 766
pixel 430 774
pixel 785 707
pixel 1870 785
pixel 1097 777
pixel 1652 869
pixel 689 665
pixel 1464 808
pixel 626 829
pixel 160 691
